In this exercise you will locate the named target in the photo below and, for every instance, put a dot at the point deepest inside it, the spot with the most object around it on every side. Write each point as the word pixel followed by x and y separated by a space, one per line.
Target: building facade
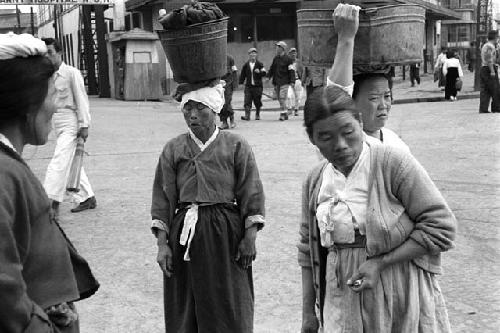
pixel 261 24
pixel 459 34
pixel 17 22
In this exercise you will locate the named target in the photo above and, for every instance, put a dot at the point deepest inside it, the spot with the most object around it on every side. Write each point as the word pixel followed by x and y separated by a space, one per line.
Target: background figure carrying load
pixel 438 66
pixel 231 79
pixel 296 91
pixel 206 216
pixel 251 75
pixel 71 121
pixel 283 76
pixel 452 70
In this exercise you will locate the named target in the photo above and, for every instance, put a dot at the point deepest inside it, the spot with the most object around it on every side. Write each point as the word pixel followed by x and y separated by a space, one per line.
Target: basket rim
pixel 196 25
pixel 373 9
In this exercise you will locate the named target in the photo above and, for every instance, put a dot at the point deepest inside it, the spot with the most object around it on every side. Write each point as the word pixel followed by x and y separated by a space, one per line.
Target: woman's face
pixel 39 121
pixel 374 102
pixel 199 117
pixel 339 138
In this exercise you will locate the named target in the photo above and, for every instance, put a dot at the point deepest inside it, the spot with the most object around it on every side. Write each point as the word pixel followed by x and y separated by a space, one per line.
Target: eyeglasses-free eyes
pixel 191 105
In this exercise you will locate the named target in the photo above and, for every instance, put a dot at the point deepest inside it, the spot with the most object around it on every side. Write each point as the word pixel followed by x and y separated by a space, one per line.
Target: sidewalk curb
pixel 431 99
pixel 395 102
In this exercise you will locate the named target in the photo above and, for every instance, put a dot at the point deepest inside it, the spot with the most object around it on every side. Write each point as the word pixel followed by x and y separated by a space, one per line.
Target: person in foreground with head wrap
pixel 207 206
pixel 40 272
pixel 373 227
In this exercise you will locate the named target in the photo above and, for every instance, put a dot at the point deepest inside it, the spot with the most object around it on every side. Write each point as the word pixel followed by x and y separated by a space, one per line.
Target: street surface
pixel 458 147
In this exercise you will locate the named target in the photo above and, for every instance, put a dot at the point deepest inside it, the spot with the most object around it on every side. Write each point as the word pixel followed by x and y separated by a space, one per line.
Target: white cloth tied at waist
pixel 189 228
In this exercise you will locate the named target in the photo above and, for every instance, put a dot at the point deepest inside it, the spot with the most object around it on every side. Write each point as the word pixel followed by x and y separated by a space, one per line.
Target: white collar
pixel 6 141
pixel 198 142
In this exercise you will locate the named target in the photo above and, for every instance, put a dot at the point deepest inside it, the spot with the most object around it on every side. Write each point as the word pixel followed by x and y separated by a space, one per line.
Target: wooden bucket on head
pixel 197 52
pixel 389 35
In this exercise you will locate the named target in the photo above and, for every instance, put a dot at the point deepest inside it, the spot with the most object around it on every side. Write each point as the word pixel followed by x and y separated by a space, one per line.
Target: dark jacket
pixel 39 268
pixel 282 70
pixel 246 74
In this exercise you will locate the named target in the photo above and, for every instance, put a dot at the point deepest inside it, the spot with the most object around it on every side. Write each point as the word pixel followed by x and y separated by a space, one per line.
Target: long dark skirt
pixel 211 293
pixel 451 79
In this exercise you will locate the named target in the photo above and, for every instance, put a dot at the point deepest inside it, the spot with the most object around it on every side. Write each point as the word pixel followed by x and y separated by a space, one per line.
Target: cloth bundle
pixel 196 12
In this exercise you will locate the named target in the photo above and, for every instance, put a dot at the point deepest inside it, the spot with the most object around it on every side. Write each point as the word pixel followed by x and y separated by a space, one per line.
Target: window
pixel 133 20
pixel 463 35
pixel 275 27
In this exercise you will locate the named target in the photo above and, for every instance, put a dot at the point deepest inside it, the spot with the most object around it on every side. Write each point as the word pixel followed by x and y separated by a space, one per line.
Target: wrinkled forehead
pixel 374 85
pixel 190 104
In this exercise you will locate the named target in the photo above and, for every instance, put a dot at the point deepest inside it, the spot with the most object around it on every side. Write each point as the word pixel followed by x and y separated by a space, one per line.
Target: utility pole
pixel 32 21
pixel 18 17
pixel 482 27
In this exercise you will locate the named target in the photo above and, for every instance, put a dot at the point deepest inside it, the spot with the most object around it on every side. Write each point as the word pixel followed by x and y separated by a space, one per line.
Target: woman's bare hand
pixel 246 251
pixel 310 323
pixel 164 259
pixel 367 275
pixel 346 20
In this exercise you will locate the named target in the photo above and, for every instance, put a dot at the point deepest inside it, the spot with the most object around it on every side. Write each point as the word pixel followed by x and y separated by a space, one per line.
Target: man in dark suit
pixel 252 72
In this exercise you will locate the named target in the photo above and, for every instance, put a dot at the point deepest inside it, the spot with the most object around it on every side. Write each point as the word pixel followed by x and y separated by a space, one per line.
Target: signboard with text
pixel 56 2
pixel 482 17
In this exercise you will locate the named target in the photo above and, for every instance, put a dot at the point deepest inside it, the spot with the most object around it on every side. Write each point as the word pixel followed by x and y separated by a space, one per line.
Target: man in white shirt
pixel 71 121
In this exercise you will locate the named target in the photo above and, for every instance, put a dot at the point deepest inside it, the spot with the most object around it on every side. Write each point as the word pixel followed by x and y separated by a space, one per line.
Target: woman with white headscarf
pixel 40 272
pixel 207 206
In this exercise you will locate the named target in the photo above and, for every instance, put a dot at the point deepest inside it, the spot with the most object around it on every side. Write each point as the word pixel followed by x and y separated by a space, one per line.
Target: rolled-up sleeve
pixel 435 224
pixel 249 189
pixel 164 192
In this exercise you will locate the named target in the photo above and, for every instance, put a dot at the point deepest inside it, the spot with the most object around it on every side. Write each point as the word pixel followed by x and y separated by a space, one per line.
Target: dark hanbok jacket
pixel 39 267
pixel 225 172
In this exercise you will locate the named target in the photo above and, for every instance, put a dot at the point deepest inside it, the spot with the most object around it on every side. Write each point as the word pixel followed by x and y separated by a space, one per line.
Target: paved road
pixel 459 148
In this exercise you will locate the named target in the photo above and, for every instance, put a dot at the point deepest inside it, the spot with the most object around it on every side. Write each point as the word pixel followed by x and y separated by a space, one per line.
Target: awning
pixel 433 11
pixel 131 5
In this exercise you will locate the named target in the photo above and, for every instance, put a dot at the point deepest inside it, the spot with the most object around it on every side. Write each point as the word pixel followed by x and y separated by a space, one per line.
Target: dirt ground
pixel 454 145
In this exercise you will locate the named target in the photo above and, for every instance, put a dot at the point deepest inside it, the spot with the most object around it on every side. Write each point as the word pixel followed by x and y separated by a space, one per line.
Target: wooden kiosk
pixel 135 66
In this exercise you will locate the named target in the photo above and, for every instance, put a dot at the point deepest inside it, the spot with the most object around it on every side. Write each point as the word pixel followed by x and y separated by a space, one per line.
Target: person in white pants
pixel 71 120
pixel 296 88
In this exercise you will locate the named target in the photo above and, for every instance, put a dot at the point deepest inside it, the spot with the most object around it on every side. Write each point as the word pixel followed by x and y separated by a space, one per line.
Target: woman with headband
pixel 40 272
pixel 207 206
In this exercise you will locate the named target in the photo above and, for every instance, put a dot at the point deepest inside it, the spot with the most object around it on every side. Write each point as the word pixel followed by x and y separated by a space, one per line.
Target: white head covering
pixel 23 45
pixel 213 97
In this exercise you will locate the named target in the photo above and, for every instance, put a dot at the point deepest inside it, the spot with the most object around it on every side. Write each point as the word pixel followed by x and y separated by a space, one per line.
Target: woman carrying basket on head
pixel 373 222
pixel 207 206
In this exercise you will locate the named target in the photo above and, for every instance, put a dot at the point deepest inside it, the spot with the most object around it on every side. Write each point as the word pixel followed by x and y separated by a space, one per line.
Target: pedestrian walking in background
pixel 373 223
pixel 488 75
pixel 282 75
pixel 70 122
pixel 452 70
pixel 471 56
pixel 206 216
pixel 251 75
pixel 41 274
pixel 231 80
pixel 438 67
pixel 296 88
pixel 415 74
